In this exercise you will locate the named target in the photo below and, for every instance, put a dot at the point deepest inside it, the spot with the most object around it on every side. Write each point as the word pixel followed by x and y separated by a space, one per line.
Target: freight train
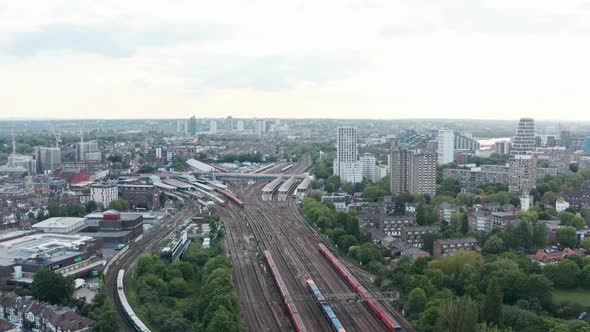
pixel 392 324
pixel 326 308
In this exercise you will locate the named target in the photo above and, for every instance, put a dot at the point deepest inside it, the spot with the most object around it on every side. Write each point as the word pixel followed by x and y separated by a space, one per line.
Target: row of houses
pixel 25 312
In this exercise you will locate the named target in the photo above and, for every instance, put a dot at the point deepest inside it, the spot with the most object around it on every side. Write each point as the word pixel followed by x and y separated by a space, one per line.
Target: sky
pixel 485 59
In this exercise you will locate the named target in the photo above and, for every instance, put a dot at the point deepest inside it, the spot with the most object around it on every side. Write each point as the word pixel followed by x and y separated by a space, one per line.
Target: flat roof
pixel 41 248
pixel 58 222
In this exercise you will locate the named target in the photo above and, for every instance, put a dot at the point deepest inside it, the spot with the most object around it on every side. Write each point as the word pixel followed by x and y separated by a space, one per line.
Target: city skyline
pixel 455 59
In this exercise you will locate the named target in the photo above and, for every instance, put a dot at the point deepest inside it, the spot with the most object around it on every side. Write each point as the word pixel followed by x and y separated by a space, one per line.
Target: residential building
pixel 104 193
pixel 26 313
pixel 240 125
pixel 338 201
pixel 260 127
pixel 561 204
pixel 444 247
pixel 446 211
pixel 525 201
pixel 229 124
pixel 523 142
pixel 578 197
pixel 393 225
pixel 414 235
pixel 48 159
pixel 566 138
pixel 368 162
pixel 586 146
pixel 522 175
pixel 413 172
pixel 88 151
pixel 445 146
pixel 213 127
pixel 503 219
pixel 192 126
pixel 502 147
pixel 182 127
pixel 481 221
pixel 346 164
pixel 140 196
pixel 465 142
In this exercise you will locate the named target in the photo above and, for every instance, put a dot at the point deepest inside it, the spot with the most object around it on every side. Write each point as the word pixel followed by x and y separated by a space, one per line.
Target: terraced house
pixel 25 312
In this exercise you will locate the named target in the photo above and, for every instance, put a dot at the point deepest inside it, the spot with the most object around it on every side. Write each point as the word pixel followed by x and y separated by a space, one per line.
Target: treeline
pixel 194 294
pixel 342 229
pixel 507 292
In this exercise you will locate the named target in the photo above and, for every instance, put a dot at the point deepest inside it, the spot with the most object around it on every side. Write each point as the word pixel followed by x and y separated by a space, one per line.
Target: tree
pixel 539 235
pixel 163 197
pixel 119 205
pixel 416 302
pixel 106 318
pixel 586 243
pixel 494 245
pixel 52 287
pixel 348 187
pixel 492 306
pixel 346 241
pixel 91 206
pixel 457 315
pixel 564 274
pixel 429 239
pixel 566 237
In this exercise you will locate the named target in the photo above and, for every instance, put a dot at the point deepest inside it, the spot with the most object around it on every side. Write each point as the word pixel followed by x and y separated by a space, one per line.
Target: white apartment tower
pixel 369 165
pixel 346 164
pixel 445 146
pixel 523 142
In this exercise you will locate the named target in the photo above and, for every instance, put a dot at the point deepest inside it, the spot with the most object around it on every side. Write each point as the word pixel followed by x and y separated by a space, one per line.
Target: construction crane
pixel 57 137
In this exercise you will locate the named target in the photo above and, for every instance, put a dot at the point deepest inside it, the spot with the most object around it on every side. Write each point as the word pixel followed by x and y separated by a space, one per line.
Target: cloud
pixel 111 41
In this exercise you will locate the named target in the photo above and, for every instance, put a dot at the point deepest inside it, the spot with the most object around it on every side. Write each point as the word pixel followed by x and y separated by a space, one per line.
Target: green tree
pixel 347 187
pixel 539 235
pixel 566 237
pixel 416 302
pixel 564 274
pixel 52 287
pixel 91 206
pixel 493 245
pixel 457 315
pixel 346 241
pixel 106 318
pixel 492 306
pixel 586 243
pixel 119 205
pixel 163 198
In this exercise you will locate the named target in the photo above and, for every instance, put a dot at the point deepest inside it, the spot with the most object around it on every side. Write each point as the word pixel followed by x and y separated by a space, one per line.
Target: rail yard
pixel 267 228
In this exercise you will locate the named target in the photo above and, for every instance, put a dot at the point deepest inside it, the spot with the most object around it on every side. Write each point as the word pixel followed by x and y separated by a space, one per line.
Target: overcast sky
pixel 320 58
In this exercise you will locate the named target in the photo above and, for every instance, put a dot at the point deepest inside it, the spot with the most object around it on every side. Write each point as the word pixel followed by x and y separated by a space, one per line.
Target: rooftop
pixel 61 222
pixel 457 240
pixel 41 248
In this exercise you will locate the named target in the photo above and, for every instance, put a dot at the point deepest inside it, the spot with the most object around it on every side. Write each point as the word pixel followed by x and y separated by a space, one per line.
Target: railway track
pixel 281 229
pixel 148 243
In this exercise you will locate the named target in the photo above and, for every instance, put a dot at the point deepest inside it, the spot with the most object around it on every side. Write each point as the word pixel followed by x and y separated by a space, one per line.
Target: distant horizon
pixel 293 118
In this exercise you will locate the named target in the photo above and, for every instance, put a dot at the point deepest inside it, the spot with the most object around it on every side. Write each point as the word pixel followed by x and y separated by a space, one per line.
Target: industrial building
pixel 62 225
pixel 69 254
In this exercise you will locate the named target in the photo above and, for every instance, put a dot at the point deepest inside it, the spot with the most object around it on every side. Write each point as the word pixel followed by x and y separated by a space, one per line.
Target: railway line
pixel 148 243
pixel 293 243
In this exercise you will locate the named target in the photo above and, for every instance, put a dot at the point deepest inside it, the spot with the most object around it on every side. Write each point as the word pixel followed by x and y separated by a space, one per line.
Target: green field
pixel 581 296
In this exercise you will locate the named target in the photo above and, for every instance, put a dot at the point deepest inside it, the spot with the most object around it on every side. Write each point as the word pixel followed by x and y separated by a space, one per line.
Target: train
pixel 286 168
pixel 263 168
pixel 137 324
pixel 326 308
pixel 230 197
pixel 291 308
pixel 390 322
